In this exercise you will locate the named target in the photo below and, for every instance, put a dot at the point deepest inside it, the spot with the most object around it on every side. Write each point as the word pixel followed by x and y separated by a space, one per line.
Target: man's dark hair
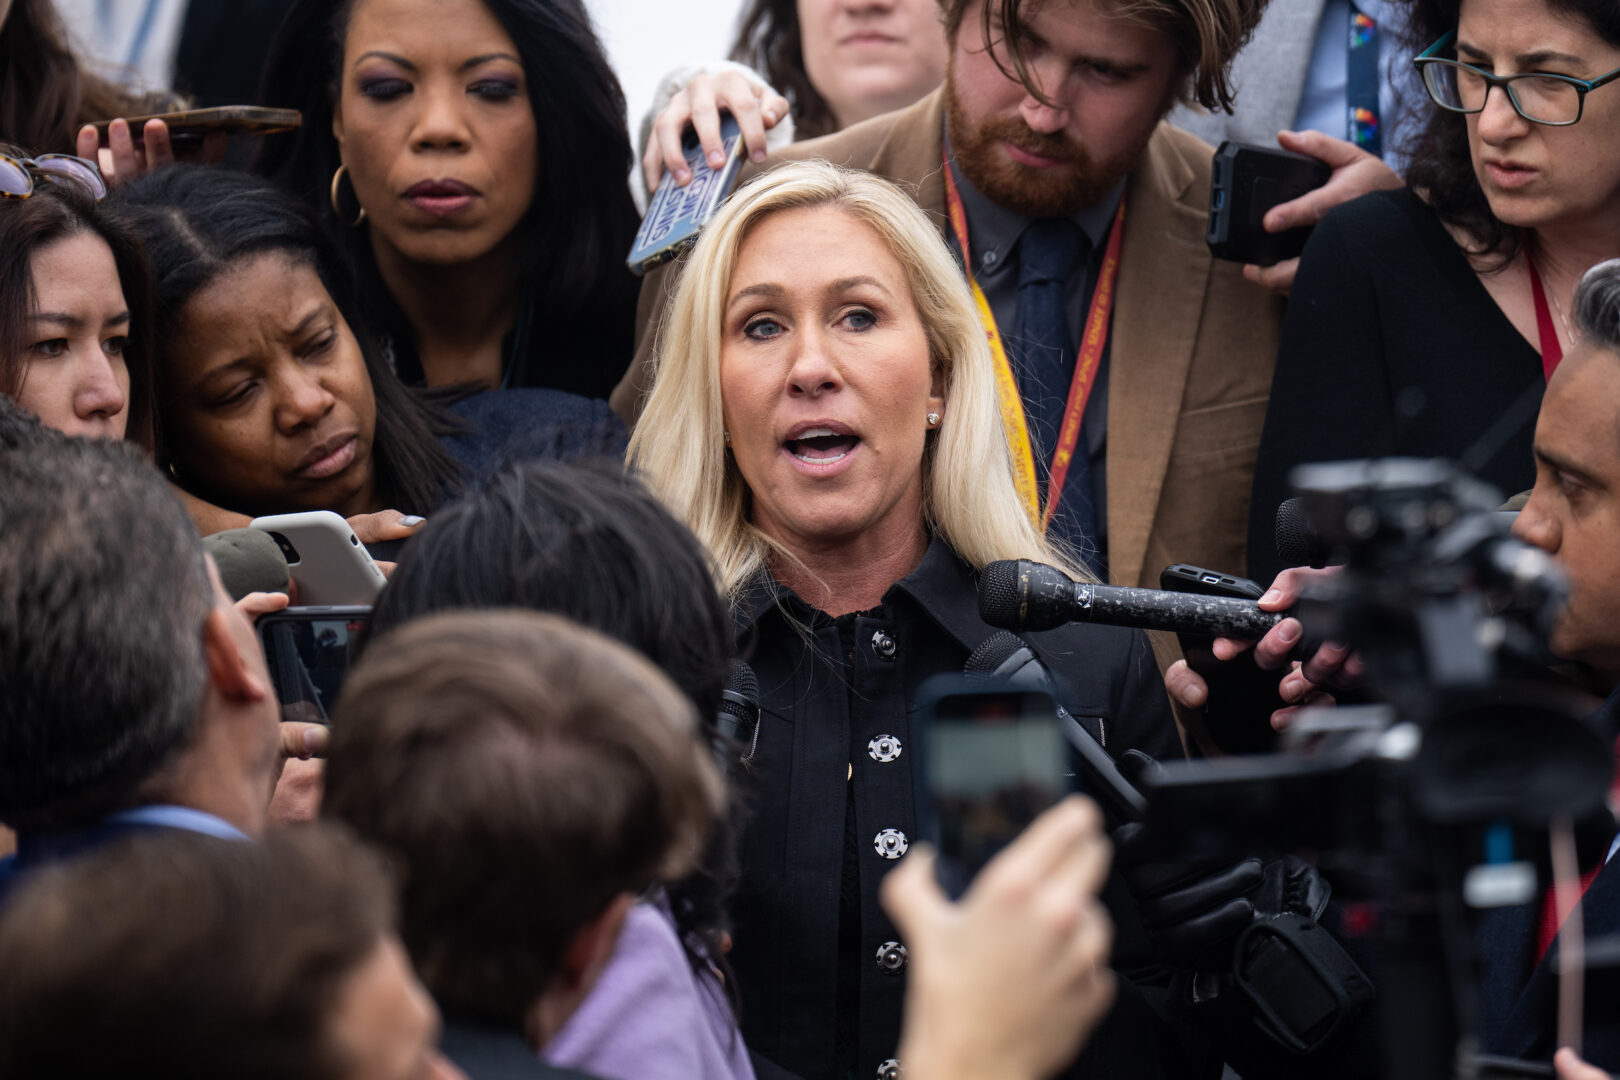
pixel 186 956
pixel 199 222
pixel 584 540
pixel 582 220
pixel 588 541
pixel 103 597
pixel 20 428
pixel 59 209
pixel 1597 306
pixel 522 772
pixel 1208 35
pixel 1442 165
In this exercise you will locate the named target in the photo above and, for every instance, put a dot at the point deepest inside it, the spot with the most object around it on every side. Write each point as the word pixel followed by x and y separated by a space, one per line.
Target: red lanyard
pixel 1092 342
pixel 1546 329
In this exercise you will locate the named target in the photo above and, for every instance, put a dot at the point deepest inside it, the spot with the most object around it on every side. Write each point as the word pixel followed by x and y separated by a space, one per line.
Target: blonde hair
pixel 969 494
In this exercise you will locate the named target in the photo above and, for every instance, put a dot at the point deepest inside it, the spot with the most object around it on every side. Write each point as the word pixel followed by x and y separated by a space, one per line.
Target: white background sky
pixel 647 38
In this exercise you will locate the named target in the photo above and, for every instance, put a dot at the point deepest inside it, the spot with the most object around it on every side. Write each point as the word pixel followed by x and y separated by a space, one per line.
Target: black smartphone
pixel 994 757
pixel 192 124
pixel 307 650
pixel 1242 696
pixel 1247 182
pixel 677 214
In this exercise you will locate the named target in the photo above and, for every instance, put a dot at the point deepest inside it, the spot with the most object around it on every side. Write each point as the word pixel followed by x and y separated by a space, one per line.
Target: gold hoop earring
pixel 337 178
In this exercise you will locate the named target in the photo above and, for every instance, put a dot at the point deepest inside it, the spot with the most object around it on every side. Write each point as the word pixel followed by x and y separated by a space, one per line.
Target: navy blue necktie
pixel 1044 359
pixel 1361 83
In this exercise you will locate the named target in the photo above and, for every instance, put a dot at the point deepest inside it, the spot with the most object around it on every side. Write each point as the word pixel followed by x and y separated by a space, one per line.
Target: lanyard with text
pixel 1092 342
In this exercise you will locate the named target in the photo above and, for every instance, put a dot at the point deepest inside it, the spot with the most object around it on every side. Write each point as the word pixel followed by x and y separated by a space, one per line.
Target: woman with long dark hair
pixel 271 397
pixel 75 307
pixel 1425 321
pixel 469 157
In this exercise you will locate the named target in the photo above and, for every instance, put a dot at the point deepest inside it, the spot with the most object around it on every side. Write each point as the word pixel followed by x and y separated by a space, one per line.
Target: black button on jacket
pixel 821 708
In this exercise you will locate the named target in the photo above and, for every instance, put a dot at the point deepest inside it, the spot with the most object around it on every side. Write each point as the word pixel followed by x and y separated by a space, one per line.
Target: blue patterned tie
pixel 1361 83
pixel 1044 358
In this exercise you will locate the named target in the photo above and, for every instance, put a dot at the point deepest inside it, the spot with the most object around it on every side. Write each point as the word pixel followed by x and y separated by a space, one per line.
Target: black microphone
pixel 1008 659
pixel 738 719
pixel 1298 542
pixel 1025 595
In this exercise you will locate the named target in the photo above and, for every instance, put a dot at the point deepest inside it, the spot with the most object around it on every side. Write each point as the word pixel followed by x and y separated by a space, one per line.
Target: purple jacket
pixel 650 1016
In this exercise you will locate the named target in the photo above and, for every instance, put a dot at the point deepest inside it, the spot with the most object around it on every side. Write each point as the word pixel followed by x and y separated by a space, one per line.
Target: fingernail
pixel 1288 631
pixel 1273 221
pixel 683 176
pixel 1272 596
pixel 716 159
pixel 758 156
pixel 411 520
pixel 1196 696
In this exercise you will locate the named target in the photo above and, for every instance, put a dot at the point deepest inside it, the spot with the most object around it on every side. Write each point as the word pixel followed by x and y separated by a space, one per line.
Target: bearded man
pixel 1142 364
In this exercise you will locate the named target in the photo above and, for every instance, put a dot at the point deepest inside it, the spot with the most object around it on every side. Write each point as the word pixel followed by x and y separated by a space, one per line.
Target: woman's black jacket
pixel 832 771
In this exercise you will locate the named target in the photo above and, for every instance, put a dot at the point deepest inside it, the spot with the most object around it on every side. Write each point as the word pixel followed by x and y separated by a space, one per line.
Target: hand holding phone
pixel 1247 182
pixel 677 214
pixel 326 558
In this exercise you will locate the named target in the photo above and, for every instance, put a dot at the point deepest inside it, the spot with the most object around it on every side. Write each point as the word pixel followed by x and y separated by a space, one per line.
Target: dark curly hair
pixel 1442 166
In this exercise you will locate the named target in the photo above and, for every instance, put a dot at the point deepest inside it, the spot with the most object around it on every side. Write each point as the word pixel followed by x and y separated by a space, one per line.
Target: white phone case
pixel 329 563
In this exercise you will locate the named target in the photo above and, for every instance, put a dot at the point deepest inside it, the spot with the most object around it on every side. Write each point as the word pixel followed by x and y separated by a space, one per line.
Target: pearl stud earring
pixel 933 419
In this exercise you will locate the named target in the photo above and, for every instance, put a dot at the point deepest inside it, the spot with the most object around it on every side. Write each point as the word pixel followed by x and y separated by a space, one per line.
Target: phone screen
pixel 996 758
pixel 307 651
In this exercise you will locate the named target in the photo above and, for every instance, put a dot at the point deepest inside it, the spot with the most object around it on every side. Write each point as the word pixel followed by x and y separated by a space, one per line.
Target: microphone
pixel 1025 595
pixel 1008 659
pixel 738 719
pixel 1298 542
pixel 249 560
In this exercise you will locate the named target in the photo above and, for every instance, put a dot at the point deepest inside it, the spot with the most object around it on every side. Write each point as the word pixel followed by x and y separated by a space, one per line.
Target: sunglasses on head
pixel 17 174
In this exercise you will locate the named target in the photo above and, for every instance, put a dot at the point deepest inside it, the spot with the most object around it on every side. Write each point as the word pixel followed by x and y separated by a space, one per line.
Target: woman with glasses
pixel 1425 321
pixel 74 308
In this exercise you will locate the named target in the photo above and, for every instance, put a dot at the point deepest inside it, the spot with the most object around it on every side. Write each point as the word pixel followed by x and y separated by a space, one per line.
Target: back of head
pixel 44 92
pixel 586 541
pixel 60 208
pixel 20 428
pixel 1597 306
pixel 185 956
pixel 524 772
pixel 103 596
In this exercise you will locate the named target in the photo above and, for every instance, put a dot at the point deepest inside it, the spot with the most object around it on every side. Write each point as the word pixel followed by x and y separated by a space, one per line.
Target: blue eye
pixel 861 319
pixel 763 329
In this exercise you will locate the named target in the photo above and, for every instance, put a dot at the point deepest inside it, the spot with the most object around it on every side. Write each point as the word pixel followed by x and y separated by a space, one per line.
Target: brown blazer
pixel 1191 358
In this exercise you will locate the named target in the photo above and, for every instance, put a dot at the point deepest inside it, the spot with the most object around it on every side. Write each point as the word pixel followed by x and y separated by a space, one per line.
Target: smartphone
pixel 994 757
pixel 1243 694
pixel 192 124
pixel 677 214
pixel 326 559
pixel 1247 182
pixel 307 650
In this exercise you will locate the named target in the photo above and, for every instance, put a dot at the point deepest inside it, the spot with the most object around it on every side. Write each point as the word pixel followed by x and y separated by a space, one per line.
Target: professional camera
pixel 1425 807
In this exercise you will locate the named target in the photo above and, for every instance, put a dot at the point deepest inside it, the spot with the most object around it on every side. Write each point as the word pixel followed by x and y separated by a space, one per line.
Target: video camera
pixel 1427 805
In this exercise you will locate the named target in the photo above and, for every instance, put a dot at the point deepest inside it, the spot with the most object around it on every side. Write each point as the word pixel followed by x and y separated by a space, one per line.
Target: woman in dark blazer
pixel 825 418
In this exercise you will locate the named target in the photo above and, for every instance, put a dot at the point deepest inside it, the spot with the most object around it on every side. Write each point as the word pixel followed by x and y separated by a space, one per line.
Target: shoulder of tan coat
pixel 903 146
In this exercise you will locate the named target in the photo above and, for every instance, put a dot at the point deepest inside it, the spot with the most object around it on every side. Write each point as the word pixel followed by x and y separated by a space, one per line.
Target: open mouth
pixel 821 445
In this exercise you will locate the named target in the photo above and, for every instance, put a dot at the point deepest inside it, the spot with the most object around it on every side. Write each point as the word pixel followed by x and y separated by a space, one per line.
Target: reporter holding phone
pixel 824 417
pixel 468 158
pixel 1422 317
pixel 272 398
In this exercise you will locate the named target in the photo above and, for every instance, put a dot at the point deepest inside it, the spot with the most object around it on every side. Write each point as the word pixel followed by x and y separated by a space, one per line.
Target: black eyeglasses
pixel 1539 97
pixel 17 174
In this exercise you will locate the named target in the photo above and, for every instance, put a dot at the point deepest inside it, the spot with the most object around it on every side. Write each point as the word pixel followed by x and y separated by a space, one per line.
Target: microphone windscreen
pixel 995 651
pixel 744 683
pixel 249 560
pixel 998 593
pixel 1298 543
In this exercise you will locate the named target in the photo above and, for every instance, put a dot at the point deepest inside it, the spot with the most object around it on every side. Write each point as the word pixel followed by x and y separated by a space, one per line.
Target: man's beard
pixel 1056 191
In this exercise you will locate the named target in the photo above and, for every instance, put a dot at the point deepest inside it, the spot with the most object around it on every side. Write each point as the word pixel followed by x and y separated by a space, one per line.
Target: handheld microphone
pixel 1298 542
pixel 738 719
pixel 1025 595
pixel 1008 659
pixel 249 561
